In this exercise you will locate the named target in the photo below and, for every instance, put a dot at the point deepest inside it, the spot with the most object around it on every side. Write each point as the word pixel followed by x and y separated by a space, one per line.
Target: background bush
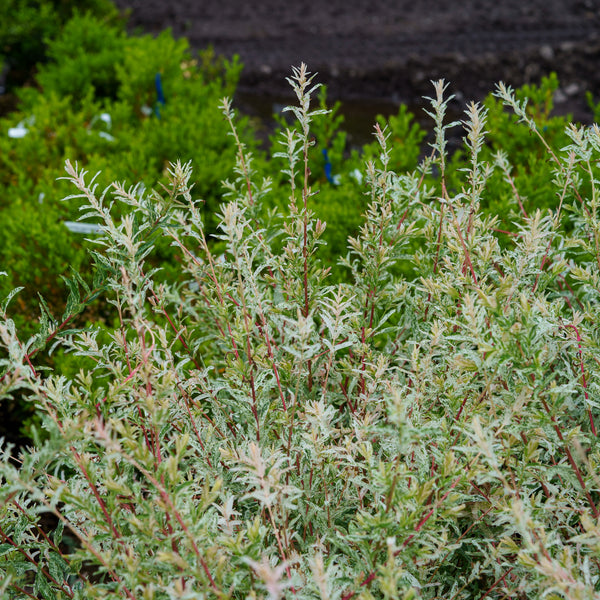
pixel 97 104
pixel 29 26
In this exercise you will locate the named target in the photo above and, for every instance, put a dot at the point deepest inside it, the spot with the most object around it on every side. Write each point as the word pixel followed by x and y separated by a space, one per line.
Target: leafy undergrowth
pixel 256 432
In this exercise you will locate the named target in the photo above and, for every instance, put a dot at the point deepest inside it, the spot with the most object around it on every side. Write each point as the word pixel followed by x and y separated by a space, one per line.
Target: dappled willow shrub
pixel 249 430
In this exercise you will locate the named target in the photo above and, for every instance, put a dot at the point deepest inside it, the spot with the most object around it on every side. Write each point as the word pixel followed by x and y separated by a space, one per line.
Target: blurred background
pixel 376 55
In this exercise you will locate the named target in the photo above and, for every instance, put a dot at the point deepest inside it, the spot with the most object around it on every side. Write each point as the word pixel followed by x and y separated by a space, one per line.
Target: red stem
pixel 583 381
pixel 571 460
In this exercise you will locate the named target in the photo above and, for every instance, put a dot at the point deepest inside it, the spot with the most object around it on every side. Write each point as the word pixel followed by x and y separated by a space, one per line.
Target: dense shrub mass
pixel 426 427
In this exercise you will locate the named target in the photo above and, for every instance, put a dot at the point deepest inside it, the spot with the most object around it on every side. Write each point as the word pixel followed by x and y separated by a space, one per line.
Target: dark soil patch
pixel 390 51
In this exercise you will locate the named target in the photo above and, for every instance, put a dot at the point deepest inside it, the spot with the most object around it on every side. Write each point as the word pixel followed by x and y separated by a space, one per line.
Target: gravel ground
pixel 390 51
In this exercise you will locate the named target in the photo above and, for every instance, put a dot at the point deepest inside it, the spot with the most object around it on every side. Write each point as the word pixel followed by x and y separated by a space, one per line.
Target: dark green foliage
pixel 405 137
pixel 595 106
pixel 27 28
pixel 86 54
pixel 30 246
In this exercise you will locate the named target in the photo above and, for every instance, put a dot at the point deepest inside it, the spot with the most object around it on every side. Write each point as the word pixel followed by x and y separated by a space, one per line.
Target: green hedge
pixel 29 26
pixel 96 103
